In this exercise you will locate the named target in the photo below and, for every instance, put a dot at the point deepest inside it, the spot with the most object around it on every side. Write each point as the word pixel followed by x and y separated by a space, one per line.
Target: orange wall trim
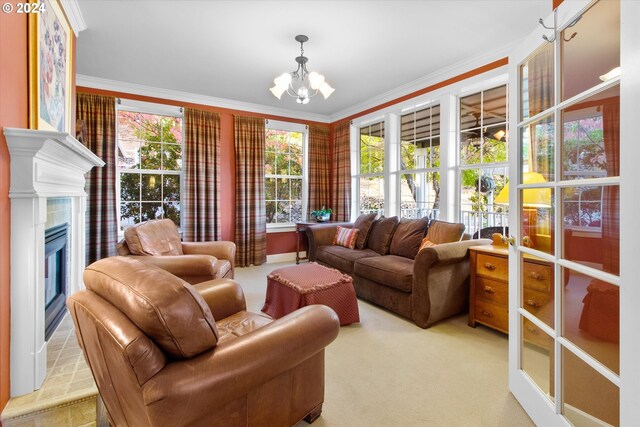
pixel 476 71
pixel 557 3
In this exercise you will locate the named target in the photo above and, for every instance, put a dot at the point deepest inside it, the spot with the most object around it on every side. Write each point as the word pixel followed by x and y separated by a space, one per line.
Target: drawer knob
pixel 489 266
pixel 533 330
pixel 536 275
pixel 533 303
pixel 489 290
pixel 487 313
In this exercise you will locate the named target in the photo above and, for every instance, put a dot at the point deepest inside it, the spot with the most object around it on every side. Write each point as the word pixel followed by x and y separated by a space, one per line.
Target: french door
pixel 565 258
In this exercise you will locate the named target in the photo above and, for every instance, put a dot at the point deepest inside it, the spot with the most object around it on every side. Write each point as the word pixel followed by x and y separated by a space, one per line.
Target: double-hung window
pixel 285 177
pixel 420 163
pixel 371 176
pixel 483 162
pixel 149 163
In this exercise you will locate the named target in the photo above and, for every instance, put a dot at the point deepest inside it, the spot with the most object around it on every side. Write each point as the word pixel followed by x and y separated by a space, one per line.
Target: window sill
pixel 284 228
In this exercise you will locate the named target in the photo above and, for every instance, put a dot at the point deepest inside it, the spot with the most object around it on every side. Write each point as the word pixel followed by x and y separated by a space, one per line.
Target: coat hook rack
pixel 544 36
pixel 553 37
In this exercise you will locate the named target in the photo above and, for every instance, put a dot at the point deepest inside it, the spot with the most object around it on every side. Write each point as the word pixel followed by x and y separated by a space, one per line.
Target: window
pixel 420 163
pixel 285 179
pixel 149 151
pixel 370 178
pixel 483 159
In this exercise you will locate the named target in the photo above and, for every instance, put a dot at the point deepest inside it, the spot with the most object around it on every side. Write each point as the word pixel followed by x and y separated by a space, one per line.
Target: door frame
pixel 539 408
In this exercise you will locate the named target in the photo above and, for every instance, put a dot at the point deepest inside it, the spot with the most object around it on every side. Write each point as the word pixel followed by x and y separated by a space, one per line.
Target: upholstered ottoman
pixel 291 288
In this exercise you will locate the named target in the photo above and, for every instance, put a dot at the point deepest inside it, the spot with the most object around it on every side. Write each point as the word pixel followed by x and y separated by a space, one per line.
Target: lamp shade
pixel 326 90
pixel 315 80
pixel 532 197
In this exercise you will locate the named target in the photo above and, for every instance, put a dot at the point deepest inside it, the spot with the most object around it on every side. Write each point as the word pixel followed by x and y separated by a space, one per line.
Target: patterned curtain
pixel 319 168
pixel 201 218
pixel 342 173
pixel 611 196
pixel 540 79
pixel 251 225
pixel 98 114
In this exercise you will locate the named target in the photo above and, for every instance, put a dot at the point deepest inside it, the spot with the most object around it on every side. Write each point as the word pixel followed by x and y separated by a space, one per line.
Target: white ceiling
pixel 234 49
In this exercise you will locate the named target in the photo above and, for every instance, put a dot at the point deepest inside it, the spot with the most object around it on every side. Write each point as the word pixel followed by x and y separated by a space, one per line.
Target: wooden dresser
pixel 489 291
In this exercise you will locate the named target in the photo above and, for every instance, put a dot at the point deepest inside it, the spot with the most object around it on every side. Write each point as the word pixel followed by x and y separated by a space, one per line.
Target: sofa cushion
pixel 168 309
pixel 156 237
pixel 363 224
pixel 342 258
pixel 390 270
pixel 381 234
pixel 444 232
pixel 406 240
pixel 346 237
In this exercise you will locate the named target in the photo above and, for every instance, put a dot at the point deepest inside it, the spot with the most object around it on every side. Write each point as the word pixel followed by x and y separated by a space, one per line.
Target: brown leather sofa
pixel 157 242
pixel 387 269
pixel 166 353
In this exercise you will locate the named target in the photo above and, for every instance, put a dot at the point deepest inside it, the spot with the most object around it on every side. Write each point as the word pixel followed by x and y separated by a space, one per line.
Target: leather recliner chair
pixel 166 353
pixel 157 242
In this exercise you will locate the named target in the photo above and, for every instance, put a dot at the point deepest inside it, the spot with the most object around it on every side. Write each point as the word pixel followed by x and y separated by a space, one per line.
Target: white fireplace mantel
pixel 44 165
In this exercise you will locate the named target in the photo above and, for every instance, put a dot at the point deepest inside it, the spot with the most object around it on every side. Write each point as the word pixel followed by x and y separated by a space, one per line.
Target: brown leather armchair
pixel 157 242
pixel 166 353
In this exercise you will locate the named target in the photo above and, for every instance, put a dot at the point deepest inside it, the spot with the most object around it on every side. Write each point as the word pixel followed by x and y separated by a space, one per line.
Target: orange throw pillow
pixel 346 237
pixel 426 243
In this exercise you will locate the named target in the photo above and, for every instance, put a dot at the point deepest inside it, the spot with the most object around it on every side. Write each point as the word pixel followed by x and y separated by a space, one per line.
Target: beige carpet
pixel 386 371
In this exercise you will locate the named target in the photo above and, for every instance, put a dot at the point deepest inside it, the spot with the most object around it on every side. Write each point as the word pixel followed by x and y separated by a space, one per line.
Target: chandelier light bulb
pixel 326 90
pixel 315 80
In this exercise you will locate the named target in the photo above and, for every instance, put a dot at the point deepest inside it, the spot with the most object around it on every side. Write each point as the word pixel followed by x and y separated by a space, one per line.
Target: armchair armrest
pixel 223 296
pixel 220 249
pixel 440 281
pixel 322 234
pixel 235 367
pixel 181 265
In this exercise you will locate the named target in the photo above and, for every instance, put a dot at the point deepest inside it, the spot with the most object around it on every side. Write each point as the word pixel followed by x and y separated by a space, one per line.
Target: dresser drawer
pixel 538 303
pixel 492 267
pixel 537 276
pixel 531 333
pixel 492 314
pixel 491 290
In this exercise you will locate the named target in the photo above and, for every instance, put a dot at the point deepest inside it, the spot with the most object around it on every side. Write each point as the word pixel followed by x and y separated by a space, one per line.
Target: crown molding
pixel 74 14
pixel 428 80
pixel 193 98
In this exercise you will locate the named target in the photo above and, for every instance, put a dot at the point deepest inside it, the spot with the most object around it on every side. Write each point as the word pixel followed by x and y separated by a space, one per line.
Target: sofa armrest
pixel 220 249
pixel 181 265
pixel 322 234
pixel 440 281
pixel 235 367
pixel 223 296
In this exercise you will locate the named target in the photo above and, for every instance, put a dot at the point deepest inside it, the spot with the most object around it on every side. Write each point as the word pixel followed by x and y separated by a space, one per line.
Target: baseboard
pixel 286 257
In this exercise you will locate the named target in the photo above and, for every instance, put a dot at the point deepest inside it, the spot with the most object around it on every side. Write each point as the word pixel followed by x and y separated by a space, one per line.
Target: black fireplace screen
pixel 55 275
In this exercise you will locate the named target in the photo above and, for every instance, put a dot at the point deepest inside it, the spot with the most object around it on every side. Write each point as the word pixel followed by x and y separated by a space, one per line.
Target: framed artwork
pixel 50 67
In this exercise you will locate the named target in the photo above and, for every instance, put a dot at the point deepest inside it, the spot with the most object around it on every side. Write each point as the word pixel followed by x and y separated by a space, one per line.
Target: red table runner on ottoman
pixel 290 288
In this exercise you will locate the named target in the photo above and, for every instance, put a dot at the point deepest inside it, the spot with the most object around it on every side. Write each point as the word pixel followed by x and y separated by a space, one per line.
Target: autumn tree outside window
pixel 149 162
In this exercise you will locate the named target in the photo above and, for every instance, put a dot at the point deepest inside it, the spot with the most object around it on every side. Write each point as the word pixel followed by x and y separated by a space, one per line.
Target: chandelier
pixel 301 84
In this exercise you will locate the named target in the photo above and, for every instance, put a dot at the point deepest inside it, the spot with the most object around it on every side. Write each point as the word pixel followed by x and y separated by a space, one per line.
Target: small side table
pixel 302 226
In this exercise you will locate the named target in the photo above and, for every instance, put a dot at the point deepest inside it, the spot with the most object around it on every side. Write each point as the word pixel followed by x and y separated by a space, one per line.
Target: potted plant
pixel 322 215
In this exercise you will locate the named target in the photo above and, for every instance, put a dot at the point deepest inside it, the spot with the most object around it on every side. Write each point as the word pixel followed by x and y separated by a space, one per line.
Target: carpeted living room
pixel 338 213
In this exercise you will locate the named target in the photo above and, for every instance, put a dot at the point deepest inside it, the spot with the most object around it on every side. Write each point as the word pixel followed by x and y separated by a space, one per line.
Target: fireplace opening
pixel 55 276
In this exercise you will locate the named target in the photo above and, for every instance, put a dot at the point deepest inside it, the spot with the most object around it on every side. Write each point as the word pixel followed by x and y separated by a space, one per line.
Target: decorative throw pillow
pixel 408 236
pixel 381 234
pixel 346 237
pixel 445 232
pixel 426 243
pixel 364 223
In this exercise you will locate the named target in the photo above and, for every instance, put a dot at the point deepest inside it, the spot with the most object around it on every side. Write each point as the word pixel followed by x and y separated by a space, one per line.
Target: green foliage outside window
pixel 150 161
